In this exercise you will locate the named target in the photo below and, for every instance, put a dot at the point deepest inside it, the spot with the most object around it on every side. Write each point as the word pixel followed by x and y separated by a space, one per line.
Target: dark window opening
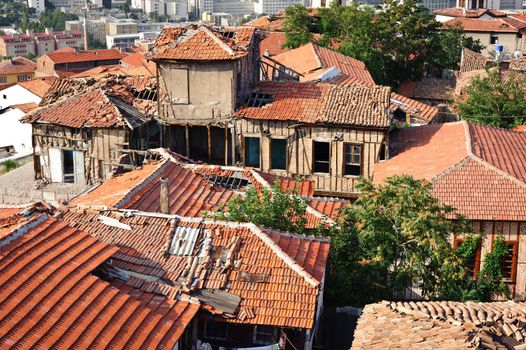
pixel 69 167
pixel 321 157
pixel 230 182
pixel 146 94
pixel 265 335
pixel 198 143
pixel 509 262
pixel 252 151
pixel 229 35
pixel 473 262
pixel 216 330
pixel 352 159
pixel 382 154
pixel 259 100
pixel 278 153
pixel 493 39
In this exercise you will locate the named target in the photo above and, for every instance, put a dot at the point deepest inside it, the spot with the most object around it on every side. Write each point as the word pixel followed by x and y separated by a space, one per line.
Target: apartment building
pixel 272 7
pixel 16 45
pixel 95 27
pixel 39 44
pixel 38 5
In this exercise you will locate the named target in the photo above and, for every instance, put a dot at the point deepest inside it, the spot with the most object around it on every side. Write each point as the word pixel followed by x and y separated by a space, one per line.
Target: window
pixel 352 159
pixel 252 151
pixel 473 263
pixel 22 77
pixel 493 39
pixel 216 330
pixel 3 80
pixel 509 262
pixel 265 335
pixel 321 156
pixel 278 154
pixel 259 100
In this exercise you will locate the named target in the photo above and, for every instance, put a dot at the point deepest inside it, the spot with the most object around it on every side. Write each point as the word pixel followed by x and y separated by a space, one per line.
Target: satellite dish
pixel 517 54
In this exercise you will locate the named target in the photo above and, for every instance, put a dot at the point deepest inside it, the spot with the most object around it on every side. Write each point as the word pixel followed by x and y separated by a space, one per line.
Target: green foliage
pixel 30 56
pixel 95 44
pixel 281 210
pixel 496 100
pixel 395 236
pixel 297 26
pixel 10 165
pixel 396 43
pixel 452 41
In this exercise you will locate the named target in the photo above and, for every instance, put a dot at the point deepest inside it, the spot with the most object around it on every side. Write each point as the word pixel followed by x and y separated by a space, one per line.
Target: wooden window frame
pixel 478 255
pixel 314 159
pixel 286 154
pixel 345 144
pixel 514 261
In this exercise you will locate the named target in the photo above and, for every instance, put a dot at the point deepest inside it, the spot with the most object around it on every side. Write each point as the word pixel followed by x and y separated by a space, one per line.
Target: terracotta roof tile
pixel 85 56
pixel 475 13
pixel 322 103
pixel 481 172
pixel 273 42
pixel 276 275
pixel 428 88
pixel 38 86
pixel 17 65
pixel 25 107
pixel 311 57
pixel 503 25
pixel 51 299
pixel 472 60
pixel 117 70
pixel 268 23
pixel 441 325
pixel 202 43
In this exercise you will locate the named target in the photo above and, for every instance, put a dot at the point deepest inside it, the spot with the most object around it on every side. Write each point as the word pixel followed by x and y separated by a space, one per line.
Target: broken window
pixel 252 151
pixel 321 152
pixel 259 100
pixel 278 154
pixel 352 159
pixel 265 335
pixel 509 262
pixel 229 34
pixel 215 330
pixel 230 182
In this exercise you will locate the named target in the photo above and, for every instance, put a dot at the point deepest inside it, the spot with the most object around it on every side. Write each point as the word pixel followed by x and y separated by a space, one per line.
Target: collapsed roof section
pixel 202 43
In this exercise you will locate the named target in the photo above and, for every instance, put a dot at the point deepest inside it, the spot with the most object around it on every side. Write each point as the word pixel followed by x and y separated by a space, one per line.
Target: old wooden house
pixel 83 127
pixel 480 171
pixel 204 73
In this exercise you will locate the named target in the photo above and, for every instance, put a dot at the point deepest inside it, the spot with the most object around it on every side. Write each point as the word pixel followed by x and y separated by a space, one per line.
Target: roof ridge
pixel 316 55
pixel 453 168
pixel 218 41
pixel 499 171
pixel 24 228
pixel 467 135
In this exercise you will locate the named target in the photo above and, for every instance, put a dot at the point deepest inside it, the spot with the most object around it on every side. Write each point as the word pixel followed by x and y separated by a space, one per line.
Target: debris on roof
pixel 429 89
pixel 471 60
pixel 202 43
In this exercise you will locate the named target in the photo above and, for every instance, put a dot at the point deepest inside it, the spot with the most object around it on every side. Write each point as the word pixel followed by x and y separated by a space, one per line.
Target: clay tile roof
pixel 85 56
pixel 17 65
pixel 25 107
pixel 38 86
pixel 105 71
pixel 202 43
pixel 96 109
pixel 428 88
pixel 441 325
pixel 311 57
pixel 475 13
pixel 267 23
pixel 273 42
pixel 51 299
pixel 321 103
pixel 415 108
pixel 504 25
pixel 482 174
pixel 274 276
pixel 471 61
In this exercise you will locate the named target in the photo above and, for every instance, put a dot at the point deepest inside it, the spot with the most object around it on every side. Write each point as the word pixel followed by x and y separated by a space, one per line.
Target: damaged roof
pixel 482 174
pixel 51 299
pixel 322 103
pixel 202 43
pixel 95 109
pixel 441 325
pixel 275 276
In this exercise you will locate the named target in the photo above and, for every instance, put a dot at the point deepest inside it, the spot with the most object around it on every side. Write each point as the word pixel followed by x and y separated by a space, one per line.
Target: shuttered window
pixel 278 154
pixel 252 151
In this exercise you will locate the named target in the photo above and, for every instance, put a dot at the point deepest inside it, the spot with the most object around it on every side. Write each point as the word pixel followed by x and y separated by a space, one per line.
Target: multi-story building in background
pixel 116 26
pixel 95 27
pixel 68 4
pixel 39 44
pixel 68 39
pixel 44 43
pixel 234 7
pixel 16 45
pixel 271 7
pixel 38 5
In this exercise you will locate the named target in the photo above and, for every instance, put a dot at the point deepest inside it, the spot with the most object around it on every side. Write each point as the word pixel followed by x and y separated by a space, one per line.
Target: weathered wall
pixel 300 153
pixel 99 147
pixel 511 41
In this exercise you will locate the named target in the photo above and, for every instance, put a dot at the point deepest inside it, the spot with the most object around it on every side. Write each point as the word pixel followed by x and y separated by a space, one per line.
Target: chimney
pixel 163 197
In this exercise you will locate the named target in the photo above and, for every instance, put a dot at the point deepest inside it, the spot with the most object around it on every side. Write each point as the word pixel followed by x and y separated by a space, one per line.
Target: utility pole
pixel 86 9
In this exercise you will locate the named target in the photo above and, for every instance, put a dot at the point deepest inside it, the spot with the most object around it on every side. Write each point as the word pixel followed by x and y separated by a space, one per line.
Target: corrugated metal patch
pixel 184 240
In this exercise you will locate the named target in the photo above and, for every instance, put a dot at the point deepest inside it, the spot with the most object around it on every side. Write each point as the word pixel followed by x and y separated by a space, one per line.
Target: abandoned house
pixel 482 175
pixel 204 74
pixel 256 286
pixel 84 127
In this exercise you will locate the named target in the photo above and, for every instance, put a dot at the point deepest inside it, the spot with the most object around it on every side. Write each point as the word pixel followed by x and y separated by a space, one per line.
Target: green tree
pixel 495 99
pixel 452 41
pixel 56 19
pixel 95 44
pixel 297 26
pixel 273 208
pixel 395 236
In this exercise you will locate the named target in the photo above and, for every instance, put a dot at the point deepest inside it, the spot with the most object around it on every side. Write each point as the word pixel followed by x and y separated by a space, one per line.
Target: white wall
pixel 14 133
pixel 15 95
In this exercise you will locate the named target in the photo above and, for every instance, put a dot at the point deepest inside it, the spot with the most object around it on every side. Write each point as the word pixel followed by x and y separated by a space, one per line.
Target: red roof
pixel 321 103
pixel 309 58
pixel 505 25
pixel 462 12
pixel 276 275
pixel 202 43
pixel 25 107
pixel 481 172
pixel 84 56
pixel 273 42
pixel 38 86
pixel 17 65
pixel 50 298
